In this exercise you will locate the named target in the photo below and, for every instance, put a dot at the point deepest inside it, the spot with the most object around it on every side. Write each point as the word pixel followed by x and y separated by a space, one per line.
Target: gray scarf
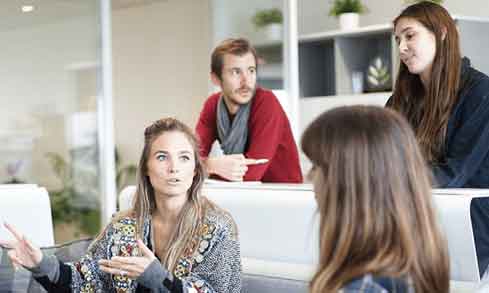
pixel 233 136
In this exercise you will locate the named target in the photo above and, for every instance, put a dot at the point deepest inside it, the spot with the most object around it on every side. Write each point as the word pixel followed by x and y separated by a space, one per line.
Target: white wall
pixel 161 58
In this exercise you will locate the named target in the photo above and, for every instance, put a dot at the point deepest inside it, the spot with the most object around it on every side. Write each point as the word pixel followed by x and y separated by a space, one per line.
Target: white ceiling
pixel 48 11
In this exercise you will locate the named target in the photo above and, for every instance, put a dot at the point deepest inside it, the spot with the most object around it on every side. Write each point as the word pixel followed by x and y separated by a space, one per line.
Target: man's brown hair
pixel 237 47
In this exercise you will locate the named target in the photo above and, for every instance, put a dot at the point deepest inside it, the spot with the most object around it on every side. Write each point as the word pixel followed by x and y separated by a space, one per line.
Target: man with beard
pixel 254 138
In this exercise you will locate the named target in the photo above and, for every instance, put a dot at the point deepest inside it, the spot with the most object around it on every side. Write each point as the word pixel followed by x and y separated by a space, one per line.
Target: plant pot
pixel 274 31
pixel 349 21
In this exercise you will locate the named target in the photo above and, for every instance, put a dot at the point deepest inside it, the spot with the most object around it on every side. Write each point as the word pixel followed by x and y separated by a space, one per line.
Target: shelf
pixel 470 18
pixel 268 44
pixel 317 76
pixel 327 61
pixel 361 31
pixel 270 69
pixel 374 95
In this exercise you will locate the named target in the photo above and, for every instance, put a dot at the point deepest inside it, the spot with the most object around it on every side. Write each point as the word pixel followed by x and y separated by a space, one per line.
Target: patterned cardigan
pixel 213 267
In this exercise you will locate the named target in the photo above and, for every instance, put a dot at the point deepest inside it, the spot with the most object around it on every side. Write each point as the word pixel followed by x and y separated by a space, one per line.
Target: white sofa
pixel 27 207
pixel 277 226
pixel 276 232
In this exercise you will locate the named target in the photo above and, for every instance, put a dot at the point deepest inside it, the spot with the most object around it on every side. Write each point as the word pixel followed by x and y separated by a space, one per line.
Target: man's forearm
pixel 209 165
pixel 229 167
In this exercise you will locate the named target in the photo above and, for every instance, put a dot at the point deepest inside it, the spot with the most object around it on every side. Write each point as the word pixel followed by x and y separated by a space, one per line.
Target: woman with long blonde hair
pixel 172 240
pixel 446 101
pixel 378 229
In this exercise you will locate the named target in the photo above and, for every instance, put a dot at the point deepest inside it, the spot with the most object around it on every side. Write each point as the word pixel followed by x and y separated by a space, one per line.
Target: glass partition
pixel 50 73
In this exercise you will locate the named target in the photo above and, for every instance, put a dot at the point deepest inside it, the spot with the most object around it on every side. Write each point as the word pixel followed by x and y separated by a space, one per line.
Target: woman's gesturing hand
pixel 21 251
pixel 130 266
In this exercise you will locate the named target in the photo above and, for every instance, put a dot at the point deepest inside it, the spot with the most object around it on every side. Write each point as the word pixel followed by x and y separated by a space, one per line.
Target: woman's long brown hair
pixel 428 110
pixel 373 191
pixel 192 213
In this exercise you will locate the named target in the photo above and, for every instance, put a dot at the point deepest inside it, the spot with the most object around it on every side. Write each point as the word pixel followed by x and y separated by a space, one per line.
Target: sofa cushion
pixel 269 284
pixel 22 281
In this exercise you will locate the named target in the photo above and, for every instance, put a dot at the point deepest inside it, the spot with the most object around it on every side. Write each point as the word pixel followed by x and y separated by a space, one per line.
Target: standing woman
pixel 172 240
pixel 446 101
pixel 378 229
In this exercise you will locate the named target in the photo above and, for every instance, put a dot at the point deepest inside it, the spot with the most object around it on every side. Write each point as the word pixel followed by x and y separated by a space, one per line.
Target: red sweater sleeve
pixel 265 129
pixel 206 129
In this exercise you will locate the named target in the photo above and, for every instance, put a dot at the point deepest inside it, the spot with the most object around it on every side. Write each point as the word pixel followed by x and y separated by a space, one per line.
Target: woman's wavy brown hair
pixel 374 200
pixel 428 110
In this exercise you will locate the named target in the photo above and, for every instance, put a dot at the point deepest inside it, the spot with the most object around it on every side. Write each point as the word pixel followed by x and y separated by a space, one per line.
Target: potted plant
pixel 378 76
pixel 270 20
pixel 70 219
pixel 348 12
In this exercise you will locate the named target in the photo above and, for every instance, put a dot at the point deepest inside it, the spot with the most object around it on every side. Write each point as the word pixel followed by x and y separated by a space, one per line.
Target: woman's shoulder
pixel 220 220
pixel 474 91
pixel 123 218
pixel 125 223
pixel 474 82
pixel 371 284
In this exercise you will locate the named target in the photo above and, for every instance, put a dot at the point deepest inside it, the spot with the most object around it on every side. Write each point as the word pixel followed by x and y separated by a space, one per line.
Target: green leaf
pixel 346 6
pixel 265 17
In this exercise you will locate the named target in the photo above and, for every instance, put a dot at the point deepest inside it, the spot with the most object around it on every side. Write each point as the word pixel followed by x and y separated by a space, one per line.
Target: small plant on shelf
pixel 378 76
pixel 265 17
pixel 348 12
pixel 347 6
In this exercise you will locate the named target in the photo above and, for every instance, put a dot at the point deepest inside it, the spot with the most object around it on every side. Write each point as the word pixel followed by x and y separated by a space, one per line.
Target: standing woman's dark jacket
pixel 466 153
pixel 465 158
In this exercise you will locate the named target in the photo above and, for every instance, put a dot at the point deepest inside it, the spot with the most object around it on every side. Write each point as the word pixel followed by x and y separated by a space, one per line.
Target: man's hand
pixel 231 167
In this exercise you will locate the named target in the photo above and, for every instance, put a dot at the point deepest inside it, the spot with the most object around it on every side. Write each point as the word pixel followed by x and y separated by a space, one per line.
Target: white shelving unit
pixel 328 59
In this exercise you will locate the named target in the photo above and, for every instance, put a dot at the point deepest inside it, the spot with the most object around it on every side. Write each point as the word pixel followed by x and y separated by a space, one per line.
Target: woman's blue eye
pixel 160 157
pixel 185 158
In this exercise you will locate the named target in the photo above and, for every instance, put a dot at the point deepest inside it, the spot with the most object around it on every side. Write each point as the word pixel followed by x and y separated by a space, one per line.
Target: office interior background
pixel 52 130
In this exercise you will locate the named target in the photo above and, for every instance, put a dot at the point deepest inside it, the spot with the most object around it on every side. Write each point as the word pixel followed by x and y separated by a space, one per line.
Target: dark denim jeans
pixel 479 213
